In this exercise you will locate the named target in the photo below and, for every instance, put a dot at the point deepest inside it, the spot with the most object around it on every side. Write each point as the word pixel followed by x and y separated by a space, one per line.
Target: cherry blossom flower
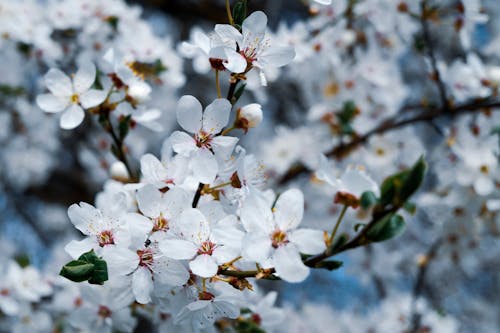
pixel 273 238
pixel 204 245
pixel 253 45
pixel 204 147
pixel 71 95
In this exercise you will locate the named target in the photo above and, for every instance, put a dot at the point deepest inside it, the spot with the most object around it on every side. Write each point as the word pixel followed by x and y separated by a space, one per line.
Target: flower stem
pixel 229 15
pixel 227 130
pixel 339 220
pixel 217 83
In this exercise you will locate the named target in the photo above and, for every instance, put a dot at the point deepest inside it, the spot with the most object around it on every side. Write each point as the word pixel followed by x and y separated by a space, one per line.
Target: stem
pixel 229 15
pixel 119 146
pixel 197 195
pixel 232 88
pixel 339 220
pixel 217 83
pixel 227 130
pixel 219 186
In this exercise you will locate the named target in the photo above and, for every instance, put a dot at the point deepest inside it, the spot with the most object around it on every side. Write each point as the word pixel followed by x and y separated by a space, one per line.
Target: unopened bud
pixel 119 172
pixel 249 116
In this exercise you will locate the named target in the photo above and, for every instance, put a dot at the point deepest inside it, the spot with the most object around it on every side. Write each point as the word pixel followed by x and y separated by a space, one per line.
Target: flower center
pixel 203 139
pixel 160 224
pixel 104 311
pixel 207 247
pixel 75 99
pixel 105 238
pixel 145 257
pixel 205 296
pixel 484 169
pixel 278 238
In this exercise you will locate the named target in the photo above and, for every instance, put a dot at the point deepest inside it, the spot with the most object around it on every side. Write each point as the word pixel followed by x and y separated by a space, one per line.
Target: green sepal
pixel 368 199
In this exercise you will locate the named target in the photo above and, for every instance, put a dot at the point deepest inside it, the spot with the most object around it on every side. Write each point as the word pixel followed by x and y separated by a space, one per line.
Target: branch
pixel 342 150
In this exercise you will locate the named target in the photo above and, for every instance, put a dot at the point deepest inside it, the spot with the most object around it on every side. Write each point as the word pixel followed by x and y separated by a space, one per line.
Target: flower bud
pixel 119 172
pixel 249 116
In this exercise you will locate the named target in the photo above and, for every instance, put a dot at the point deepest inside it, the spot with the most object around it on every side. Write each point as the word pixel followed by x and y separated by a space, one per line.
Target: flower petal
pixel 76 248
pixel 142 285
pixel 277 56
pixel 58 83
pixel 204 265
pixel 182 143
pixel 189 113
pixel 204 166
pixel 51 103
pixel 72 117
pixel 178 249
pixel 236 63
pixel 289 265
pixel 92 98
pixel 216 116
pixel 84 77
pixel 149 201
pixel 223 146
pixel 308 241
pixel 289 209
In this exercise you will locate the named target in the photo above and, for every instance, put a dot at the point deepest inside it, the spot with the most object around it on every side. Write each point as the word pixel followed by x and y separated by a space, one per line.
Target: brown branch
pixel 342 150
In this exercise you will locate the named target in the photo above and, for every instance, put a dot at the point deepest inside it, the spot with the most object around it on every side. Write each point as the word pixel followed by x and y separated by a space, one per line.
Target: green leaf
pixel 100 273
pixel 77 270
pixel 239 92
pixel 239 13
pixel 413 180
pixel 388 227
pixel 368 199
pixel 22 260
pixel 358 226
pixel 329 265
pixel 124 126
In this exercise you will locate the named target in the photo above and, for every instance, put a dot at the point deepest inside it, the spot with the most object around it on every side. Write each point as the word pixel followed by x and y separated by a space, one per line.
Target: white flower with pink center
pixel 205 246
pixel 273 239
pixel 253 45
pixel 204 146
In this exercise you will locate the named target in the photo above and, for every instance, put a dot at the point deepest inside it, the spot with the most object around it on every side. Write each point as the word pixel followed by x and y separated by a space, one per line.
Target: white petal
pixel 72 117
pixel 182 143
pixel 228 33
pixel 288 264
pixel 193 226
pixel 189 113
pixel 58 83
pixel 289 209
pixel 51 103
pixel 142 285
pixel 92 98
pixel 120 260
pixel 170 272
pixel 277 56
pixel 85 77
pixel 138 225
pixel 484 185
pixel 204 266
pixel 256 214
pixel 139 90
pixel 223 146
pixel 236 63
pixel 204 166
pixel 76 248
pixel 308 241
pixel 257 247
pixel 149 201
pixel 175 201
pixel 152 169
pixel 254 26
pixel 225 309
pixel 178 249
pixel 216 115
pixel 84 216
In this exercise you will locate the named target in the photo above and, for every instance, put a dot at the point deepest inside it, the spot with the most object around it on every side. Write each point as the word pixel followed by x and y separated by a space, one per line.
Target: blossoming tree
pixel 359 141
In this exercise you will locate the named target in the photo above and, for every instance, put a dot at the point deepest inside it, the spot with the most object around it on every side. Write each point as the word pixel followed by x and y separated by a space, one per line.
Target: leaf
pixel 124 126
pixel 329 264
pixel 100 273
pixel 239 13
pixel 239 92
pixel 413 180
pixel 77 270
pixel 410 207
pixel 368 199
pixel 388 227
